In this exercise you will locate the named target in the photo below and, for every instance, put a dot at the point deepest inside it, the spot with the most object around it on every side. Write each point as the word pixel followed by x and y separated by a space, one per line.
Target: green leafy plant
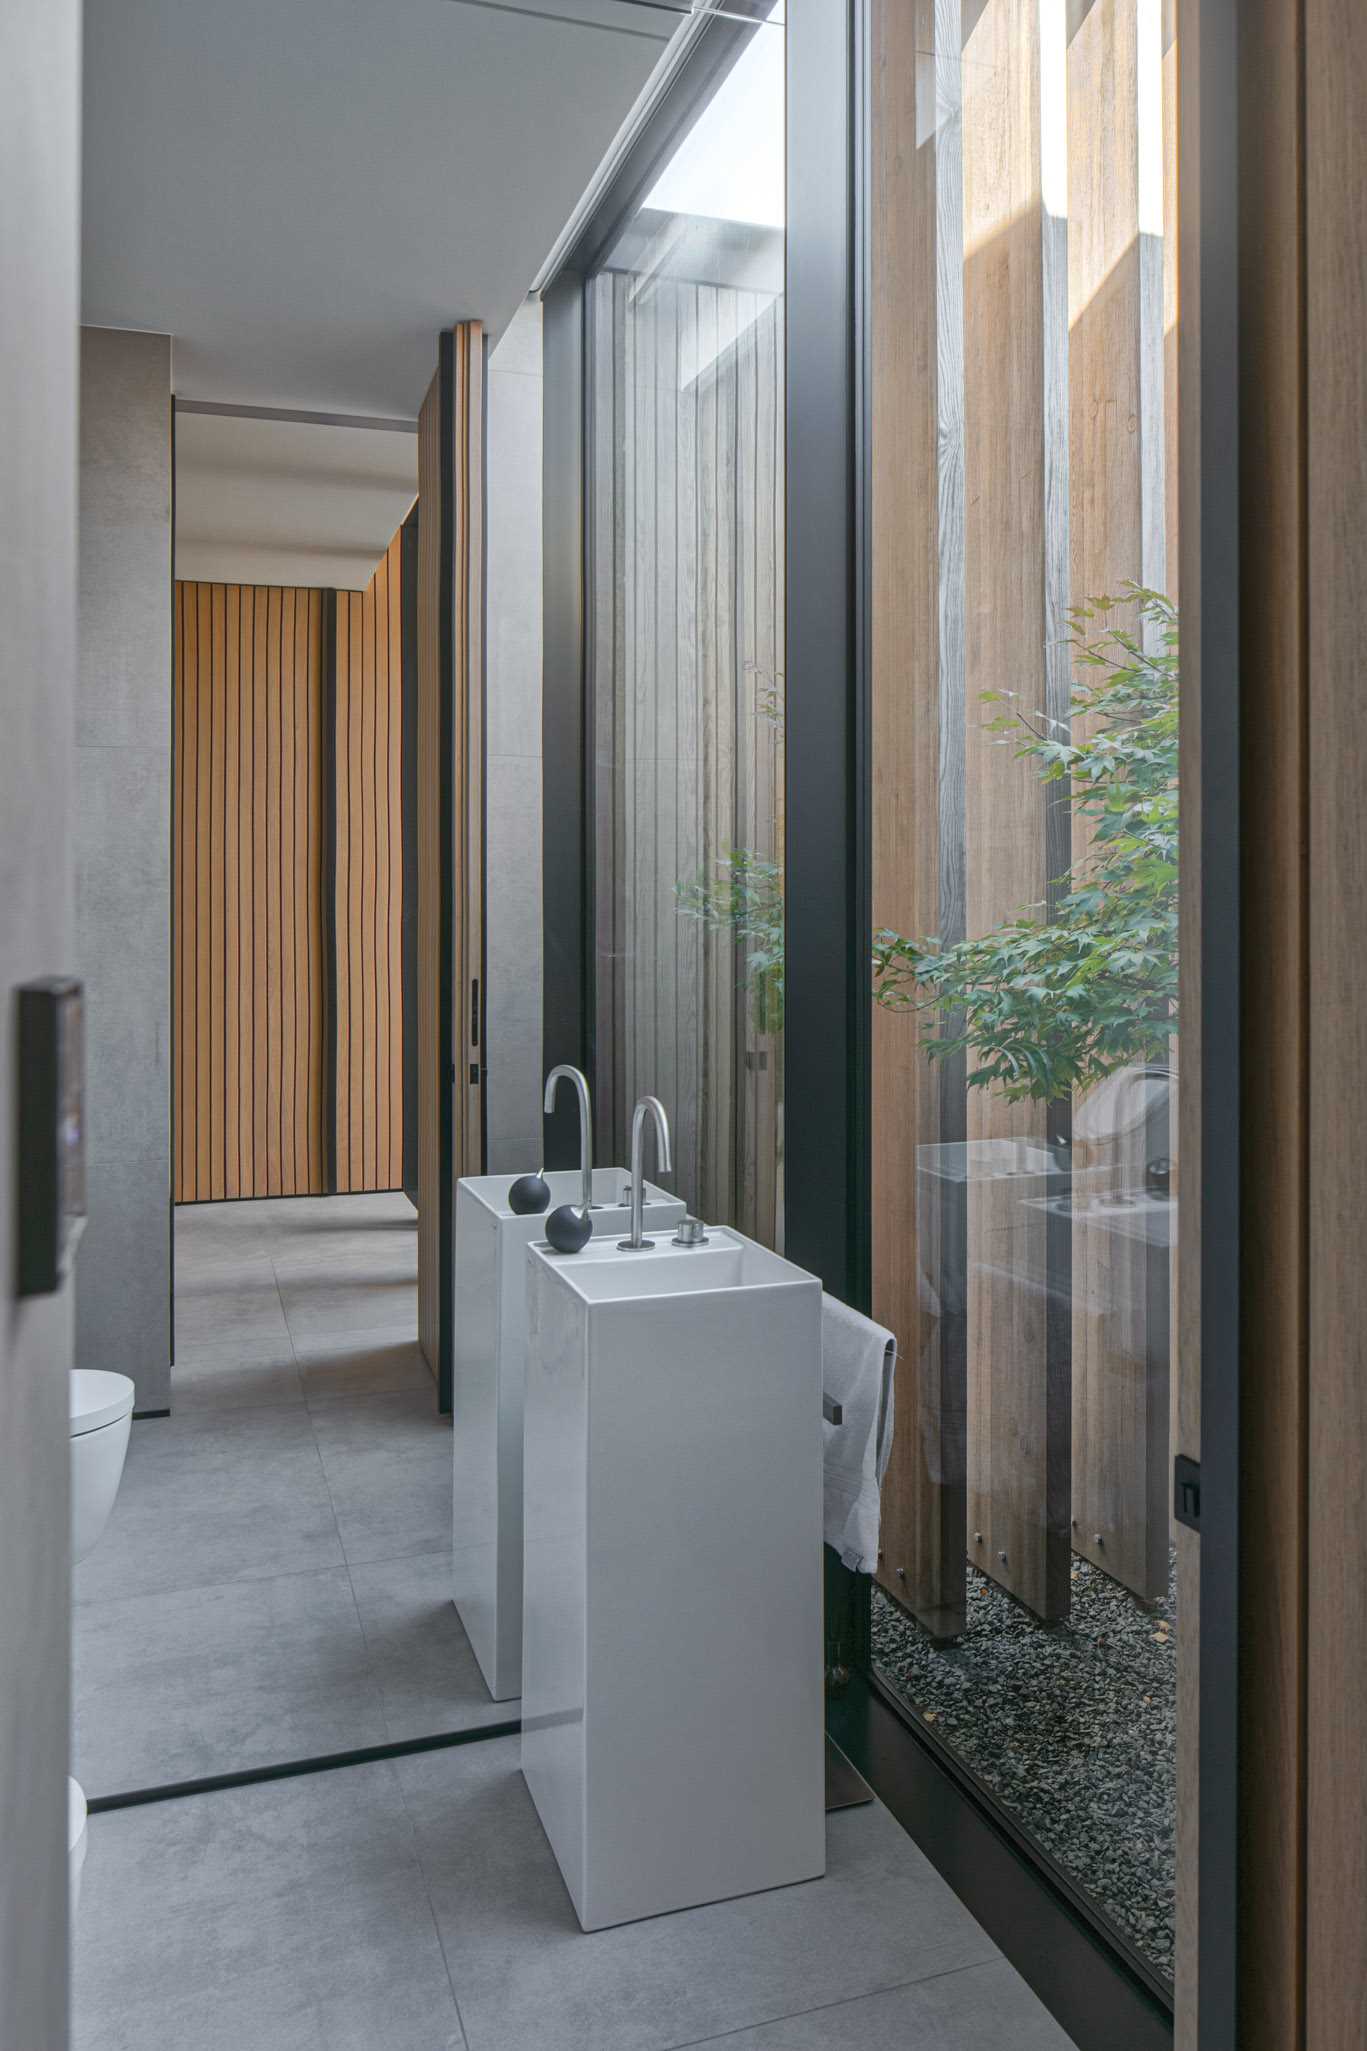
pixel 1057 997
pixel 1048 1004
pixel 744 901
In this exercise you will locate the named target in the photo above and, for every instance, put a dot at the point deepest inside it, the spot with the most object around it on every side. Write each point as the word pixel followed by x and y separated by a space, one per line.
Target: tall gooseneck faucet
pixel 663 1164
pixel 564 1073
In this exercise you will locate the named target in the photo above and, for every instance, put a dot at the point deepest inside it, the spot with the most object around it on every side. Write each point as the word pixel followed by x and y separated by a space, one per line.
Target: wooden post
pixel 1016 496
pixel 1117 519
pixel 917 650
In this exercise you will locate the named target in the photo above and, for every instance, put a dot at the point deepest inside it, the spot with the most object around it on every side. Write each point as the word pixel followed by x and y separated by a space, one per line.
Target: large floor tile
pixel 429 1677
pixel 199 1224
pixel 341 1304
pixel 979 2008
pixel 234 1375
pixel 525 1974
pixel 362 1364
pixel 208 1258
pixel 391 1235
pixel 219 1495
pixel 388 1466
pixel 181 1684
pixel 290 1916
pixel 236 1305
pixel 287 1218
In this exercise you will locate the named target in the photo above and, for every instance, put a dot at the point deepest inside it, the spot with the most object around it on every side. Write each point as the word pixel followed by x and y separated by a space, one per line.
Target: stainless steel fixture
pixel 564 1073
pixel 638 1179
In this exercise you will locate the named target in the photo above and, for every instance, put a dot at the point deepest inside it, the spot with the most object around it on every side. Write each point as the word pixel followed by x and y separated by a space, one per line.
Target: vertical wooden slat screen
pixel 255 826
pixel 369 881
pixel 450 832
pixel 1022 336
pixel 250 995
pixel 687 598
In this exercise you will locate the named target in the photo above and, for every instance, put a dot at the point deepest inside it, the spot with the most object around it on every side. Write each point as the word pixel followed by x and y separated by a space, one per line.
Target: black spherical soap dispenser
pixel 529 1195
pixel 569 1229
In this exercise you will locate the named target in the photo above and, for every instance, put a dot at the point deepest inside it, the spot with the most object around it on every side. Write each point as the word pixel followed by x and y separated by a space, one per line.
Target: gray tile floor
pixel 274 1581
pixel 417 1906
pixel 273 1584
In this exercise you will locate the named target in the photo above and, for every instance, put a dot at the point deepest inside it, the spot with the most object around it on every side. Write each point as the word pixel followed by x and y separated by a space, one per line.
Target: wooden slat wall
pixel 254 1010
pixel 249 989
pixel 369 881
pixel 687 598
pixel 450 835
pixel 1335 1355
pixel 1302 1787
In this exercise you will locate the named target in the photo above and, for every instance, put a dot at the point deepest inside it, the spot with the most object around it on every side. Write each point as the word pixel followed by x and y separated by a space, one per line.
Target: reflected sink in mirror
pixel 488 1359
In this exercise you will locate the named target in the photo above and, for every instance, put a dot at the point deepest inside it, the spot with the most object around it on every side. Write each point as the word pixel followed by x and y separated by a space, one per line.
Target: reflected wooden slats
pixel 686 608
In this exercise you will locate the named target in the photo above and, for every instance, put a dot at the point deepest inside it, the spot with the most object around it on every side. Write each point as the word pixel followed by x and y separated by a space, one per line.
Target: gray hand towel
pixel 859 1361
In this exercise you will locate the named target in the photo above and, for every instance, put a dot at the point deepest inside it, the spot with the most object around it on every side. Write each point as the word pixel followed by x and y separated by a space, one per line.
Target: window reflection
pixel 685 340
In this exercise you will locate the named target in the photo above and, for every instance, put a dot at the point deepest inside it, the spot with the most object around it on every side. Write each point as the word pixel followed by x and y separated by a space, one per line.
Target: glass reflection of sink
pixel 490 1345
pixel 673 1444
pixel 1141 1216
pixel 992 1160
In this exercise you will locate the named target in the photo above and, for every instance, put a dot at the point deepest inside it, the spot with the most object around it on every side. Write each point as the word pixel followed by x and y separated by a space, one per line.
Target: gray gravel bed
pixel 1072 1727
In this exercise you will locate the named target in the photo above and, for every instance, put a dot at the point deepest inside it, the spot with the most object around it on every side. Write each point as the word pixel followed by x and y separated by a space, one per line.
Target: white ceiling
pixel 304 192
pixel 286 502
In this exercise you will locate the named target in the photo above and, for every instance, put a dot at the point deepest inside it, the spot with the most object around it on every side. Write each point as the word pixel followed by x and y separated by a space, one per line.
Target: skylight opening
pixel 729 167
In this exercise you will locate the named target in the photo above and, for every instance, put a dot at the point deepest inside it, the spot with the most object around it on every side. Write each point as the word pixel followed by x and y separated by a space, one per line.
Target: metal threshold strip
pixel 846 1788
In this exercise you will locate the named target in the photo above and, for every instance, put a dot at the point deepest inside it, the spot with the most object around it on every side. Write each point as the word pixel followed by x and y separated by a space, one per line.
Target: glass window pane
pixel 1024 735
pixel 685 551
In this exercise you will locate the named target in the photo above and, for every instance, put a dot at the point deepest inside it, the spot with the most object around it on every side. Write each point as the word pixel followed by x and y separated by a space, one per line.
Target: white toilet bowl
pixel 101 1413
pixel 101 1416
pixel 76 1836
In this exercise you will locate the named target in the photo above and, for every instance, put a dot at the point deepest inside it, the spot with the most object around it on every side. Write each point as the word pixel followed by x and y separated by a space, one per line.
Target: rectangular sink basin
pixel 489 1350
pixel 672 1705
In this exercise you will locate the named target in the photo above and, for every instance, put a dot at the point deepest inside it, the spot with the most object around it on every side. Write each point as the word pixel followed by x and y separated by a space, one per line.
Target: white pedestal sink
pixel 490 1345
pixel 672 1713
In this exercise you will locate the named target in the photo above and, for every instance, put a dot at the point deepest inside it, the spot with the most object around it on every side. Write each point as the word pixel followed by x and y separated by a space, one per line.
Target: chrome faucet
pixel 564 1073
pixel 638 1178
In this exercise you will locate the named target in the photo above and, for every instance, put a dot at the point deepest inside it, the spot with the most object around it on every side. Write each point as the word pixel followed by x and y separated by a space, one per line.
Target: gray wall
pixel 123 853
pixel 39 105
pixel 513 659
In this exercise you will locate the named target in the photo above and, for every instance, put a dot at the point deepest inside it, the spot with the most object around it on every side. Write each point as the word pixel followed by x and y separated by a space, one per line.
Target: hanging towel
pixel 858 1363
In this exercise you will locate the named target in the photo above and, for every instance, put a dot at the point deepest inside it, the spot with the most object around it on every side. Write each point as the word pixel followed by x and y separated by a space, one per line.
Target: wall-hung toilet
pixel 76 1835
pixel 101 1417
pixel 101 1414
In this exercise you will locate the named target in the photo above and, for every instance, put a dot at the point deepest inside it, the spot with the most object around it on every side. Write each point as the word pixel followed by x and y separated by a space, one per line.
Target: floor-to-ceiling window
pixel 685 608
pixel 1023 741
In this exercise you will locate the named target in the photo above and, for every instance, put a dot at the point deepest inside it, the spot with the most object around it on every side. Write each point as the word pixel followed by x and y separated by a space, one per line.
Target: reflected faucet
pixel 638 1180
pixel 564 1073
